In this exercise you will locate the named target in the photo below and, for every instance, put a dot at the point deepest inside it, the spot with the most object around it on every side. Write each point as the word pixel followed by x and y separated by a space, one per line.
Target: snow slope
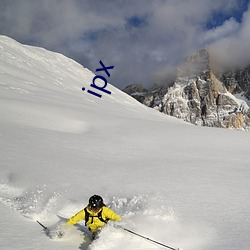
pixel 176 183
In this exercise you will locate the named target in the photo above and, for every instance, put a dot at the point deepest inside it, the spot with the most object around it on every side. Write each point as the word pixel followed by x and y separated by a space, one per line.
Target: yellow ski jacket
pixel 94 223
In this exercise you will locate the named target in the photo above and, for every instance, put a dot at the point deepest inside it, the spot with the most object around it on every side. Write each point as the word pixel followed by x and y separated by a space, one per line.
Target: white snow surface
pixel 182 185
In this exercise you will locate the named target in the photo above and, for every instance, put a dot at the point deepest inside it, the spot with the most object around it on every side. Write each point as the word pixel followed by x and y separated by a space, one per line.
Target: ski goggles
pixel 94 208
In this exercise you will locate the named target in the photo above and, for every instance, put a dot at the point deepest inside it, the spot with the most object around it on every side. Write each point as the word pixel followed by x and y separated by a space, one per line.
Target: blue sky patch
pixel 136 21
pixel 219 17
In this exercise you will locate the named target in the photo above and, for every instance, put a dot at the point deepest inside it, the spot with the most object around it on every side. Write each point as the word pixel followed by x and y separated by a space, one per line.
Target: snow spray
pixel 93 85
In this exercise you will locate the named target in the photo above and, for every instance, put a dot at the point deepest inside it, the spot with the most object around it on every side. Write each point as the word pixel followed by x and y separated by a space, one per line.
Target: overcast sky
pixel 142 39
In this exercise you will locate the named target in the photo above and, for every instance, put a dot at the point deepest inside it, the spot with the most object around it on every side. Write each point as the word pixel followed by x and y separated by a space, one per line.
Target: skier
pixel 95 214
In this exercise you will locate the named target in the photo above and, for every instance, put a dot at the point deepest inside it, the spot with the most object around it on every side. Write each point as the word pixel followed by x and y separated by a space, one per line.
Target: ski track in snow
pixel 43 117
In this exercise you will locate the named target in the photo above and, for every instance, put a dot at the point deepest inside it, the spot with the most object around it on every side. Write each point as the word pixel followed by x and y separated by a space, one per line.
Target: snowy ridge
pixel 182 185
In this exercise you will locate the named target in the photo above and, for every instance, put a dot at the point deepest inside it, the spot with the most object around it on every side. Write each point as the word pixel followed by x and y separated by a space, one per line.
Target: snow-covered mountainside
pixel 182 185
pixel 237 81
pixel 200 96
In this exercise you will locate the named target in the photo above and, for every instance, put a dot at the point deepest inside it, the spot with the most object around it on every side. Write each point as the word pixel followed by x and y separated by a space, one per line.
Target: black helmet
pixel 96 202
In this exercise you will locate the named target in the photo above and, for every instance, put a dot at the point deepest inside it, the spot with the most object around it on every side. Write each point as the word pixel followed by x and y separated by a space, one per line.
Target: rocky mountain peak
pixel 200 96
pixel 196 64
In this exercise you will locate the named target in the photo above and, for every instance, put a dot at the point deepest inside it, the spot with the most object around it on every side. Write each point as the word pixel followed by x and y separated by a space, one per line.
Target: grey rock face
pixel 201 97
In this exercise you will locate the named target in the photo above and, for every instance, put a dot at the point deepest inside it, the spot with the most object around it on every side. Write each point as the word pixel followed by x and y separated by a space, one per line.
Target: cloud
pixel 233 49
pixel 228 28
pixel 144 40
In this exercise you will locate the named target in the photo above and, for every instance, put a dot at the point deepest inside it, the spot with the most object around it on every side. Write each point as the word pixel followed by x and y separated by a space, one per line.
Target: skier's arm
pixel 110 214
pixel 77 217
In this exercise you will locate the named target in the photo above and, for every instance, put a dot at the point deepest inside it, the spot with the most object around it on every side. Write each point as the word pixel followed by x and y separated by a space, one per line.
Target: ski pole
pixel 146 238
pixel 45 228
